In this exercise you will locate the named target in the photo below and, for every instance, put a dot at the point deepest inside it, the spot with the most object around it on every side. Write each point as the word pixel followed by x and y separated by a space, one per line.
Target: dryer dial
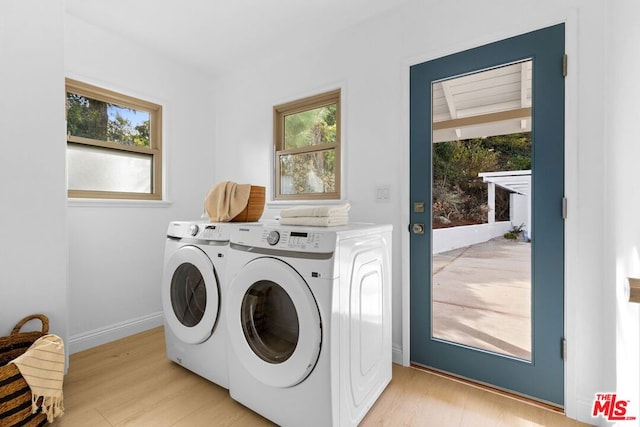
pixel 193 230
pixel 273 237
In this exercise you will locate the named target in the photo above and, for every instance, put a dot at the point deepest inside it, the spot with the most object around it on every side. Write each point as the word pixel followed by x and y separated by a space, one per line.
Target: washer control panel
pixel 212 232
pixel 296 240
pixel 198 230
pixel 273 237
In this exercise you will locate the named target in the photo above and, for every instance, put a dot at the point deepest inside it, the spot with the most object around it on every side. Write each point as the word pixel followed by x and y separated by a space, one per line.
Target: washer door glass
pixel 190 295
pixel 273 322
pixel 269 321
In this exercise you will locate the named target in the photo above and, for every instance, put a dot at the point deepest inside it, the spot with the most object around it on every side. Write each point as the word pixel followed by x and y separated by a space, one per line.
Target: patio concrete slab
pixel 482 297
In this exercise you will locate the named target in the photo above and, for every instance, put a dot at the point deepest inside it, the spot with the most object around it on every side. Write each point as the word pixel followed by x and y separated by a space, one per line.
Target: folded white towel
pixel 316 211
pixel 316 221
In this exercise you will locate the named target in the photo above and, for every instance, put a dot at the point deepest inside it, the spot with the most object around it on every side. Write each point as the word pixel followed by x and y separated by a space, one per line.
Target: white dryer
pixel 193 286
pixel 308 314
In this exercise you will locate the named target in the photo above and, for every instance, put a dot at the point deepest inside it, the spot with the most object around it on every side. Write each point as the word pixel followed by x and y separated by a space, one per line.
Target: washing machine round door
pixel 273 322
pixel 190 295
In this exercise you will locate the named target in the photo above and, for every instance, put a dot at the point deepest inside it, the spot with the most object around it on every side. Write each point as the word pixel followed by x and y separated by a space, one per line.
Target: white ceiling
pixel 212 34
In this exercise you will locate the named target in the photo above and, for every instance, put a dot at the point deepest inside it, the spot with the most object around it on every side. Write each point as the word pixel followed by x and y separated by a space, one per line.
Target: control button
pixel 273 237
pixel 193 230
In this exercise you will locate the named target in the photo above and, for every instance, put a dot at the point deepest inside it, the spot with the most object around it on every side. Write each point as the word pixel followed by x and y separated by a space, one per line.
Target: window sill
pixel 117 203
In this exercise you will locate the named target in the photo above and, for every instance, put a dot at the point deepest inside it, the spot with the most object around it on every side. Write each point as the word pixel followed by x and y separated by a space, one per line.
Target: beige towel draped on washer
pixel 226 200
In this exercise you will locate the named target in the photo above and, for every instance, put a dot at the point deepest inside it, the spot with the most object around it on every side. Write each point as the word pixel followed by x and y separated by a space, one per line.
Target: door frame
pixel 573 406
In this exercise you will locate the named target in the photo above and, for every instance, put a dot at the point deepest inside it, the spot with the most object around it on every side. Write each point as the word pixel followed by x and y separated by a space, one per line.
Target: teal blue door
pixel 470 347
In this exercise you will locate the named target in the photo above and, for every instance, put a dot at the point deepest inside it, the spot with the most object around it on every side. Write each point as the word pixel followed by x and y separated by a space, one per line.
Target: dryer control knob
pixel 273 237
pixel 193 229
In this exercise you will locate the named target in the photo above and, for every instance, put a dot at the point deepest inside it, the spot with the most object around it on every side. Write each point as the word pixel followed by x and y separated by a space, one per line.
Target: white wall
pixel 370 62
pixel 33 253
pixel 623 202
pixel 116 248
pixel 450 238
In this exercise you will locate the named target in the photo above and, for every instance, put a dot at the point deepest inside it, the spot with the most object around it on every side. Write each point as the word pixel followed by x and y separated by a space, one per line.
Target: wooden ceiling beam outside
pixel 519 113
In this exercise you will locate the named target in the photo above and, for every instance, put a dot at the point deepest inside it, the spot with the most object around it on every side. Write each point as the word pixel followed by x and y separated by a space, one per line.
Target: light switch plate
pixel 383 193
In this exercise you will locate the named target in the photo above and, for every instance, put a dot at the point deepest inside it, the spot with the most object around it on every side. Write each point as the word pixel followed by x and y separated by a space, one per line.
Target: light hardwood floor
pixel 130 382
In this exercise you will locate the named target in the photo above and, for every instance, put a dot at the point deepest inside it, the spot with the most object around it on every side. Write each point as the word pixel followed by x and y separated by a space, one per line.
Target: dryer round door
pixel 273 322
pixel 190 295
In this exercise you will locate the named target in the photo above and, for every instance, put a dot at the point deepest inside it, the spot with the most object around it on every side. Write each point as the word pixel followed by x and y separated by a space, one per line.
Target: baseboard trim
pixel 396 355
pixel 584 408
pixel 96 337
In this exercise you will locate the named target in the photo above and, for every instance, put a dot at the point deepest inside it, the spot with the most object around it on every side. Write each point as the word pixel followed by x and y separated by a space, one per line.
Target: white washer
pixel 193 286
pixel 308 314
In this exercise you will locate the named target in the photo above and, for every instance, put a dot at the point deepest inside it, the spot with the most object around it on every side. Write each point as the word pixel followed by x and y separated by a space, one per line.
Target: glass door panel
pixel 481 198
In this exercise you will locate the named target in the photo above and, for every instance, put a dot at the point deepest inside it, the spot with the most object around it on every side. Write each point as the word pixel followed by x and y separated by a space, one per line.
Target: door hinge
pixel 563 350
pixel 565 61
pixel 564 208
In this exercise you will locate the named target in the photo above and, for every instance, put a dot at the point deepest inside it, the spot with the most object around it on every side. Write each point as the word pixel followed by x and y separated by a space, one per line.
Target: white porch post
pixel 491 201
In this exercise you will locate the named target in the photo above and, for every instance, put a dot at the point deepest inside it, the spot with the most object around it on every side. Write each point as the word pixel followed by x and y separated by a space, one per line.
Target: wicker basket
pixel 15 394
pixel 255 206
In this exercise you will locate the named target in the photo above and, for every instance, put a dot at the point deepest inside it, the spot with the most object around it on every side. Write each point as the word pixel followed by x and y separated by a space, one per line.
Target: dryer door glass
pixel 188 294
pixel 270 321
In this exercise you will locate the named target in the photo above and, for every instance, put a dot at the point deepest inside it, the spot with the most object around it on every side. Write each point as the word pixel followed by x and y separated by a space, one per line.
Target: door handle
pixel 418 228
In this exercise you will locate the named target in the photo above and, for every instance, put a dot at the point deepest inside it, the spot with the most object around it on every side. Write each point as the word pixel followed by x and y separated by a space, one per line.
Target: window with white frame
pixel 114 144
pixel 307 148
